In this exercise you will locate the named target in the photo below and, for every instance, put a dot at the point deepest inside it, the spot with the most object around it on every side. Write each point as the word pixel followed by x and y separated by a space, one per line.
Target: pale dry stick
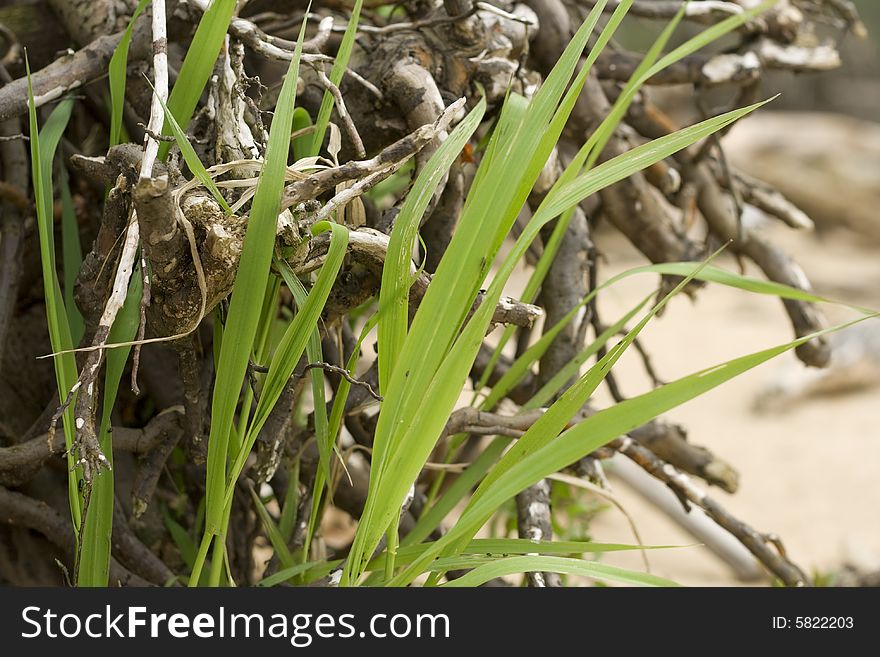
pixel 89 453
pixel 317 42
pixel 497 11
pixel 696 522
pixel 341 109
pixel 142 324
pixel 707 11
pixel 534 523
pixel 349 194
pixel 160 88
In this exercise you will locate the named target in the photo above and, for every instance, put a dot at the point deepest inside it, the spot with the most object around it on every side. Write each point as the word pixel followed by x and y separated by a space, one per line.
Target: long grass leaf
pixel 488 214
pixel 184 543
pixel 199 63
pixel 397 270
pixel 592 148
pixel 570 369
pixel 464 483
pixel 445 388
pixel 275 537
pixel 71 250
pixel 293 344
pixel 536 563
pixel 117 76
pixel 94 565
pixel 191 158
pixel 560 413
pixel 478 551
pixel 244 310
pixel 340 64
pixel 56 315
pixel 323 436
pixel 448 382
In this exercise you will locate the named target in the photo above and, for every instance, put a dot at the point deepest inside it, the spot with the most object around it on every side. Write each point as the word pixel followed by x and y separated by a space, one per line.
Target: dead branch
pixel 19 463
pixel 24 511
pixel 766 548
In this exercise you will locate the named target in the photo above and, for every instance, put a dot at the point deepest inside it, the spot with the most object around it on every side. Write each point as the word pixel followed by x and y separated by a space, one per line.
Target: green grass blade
pixel 181 538
pixel 244 310
pixel 543 431
pixel 199 63
pixel 336 72
pixel 314 354
pixel 488 214
pixel 56 316
pixel 709 35
pixel 189 156
pixel 117 75
pixel 447 384
pixel 293 344
pixel 589 153
pixel 713 274
pixel 71 250
pixel 464 483
pixel 546 393
pixel 472 475
pixel 444 390
pixel 319 399
pixel 94 566
pixel 600 137
pixel 507 546
pixel 291 503
pixel 477 552
pixel 313 568
pixel 47 144
pixel 338 409
pixel 261 348
pixel 629 414
pixel 396 272
pixel 638 158
pixel 516 153
pixel 709 274
pixel 301 145
pixel 531 563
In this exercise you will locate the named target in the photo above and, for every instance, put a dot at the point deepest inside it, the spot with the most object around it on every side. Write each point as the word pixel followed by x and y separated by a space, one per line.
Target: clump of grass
pixel 424 359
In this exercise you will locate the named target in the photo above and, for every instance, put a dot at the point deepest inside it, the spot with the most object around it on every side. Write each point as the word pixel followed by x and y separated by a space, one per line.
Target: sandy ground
pixel 808 473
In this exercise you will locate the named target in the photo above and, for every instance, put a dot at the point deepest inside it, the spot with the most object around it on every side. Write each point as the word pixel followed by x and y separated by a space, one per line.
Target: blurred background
pixel 806 443
pixel 853 89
